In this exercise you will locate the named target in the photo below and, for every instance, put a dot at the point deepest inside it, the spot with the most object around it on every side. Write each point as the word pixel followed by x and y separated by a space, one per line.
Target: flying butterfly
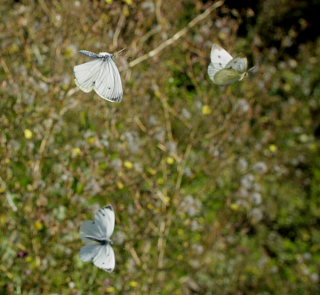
pixel 96 233
pixel 224 69
pixel 101 74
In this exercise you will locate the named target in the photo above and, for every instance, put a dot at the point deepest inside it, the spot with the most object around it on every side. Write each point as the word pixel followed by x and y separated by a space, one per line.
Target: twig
pixel 11 202
pixel 7 71
pixel 120 25
pixel 177 35
pixel 46 138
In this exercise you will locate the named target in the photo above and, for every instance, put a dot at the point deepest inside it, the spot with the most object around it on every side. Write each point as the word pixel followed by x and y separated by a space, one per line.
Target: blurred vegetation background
pixel 216 189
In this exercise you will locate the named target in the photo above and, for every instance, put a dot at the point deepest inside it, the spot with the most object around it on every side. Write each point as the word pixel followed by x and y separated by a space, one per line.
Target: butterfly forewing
pixel 90 230
pixel 238 63
pixel 219 56
pixel 105 220
pixel 219 59
pixel 86 74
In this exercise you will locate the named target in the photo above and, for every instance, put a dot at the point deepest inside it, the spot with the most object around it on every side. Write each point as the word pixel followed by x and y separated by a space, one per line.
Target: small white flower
pixel 257 214
pixel 191 206
pixel 260 167
pixel 247 181
pixel 242 164
pixel 242 105
pixel 257 198
pixel 186 114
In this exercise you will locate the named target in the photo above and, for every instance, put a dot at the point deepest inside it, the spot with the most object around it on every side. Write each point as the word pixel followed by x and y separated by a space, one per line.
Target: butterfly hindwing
pixel 227 76
pixel 86 74
pixel 105 258
pixel 89 252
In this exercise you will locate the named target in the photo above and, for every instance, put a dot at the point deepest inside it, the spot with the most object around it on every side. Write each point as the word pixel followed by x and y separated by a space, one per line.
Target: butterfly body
pixel 101 242
pixel 224 69
pixel 101 75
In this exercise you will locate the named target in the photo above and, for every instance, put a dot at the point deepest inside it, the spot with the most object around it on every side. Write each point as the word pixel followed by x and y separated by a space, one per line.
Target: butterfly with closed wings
pixel 101 74
pixel 96 233
pixel 224 69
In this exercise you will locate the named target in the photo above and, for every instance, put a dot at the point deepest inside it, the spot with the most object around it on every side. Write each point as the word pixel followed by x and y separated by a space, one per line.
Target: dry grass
pixel 216 190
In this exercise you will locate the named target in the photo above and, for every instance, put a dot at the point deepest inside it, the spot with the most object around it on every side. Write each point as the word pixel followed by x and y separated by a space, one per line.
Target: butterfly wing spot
pixel 219 56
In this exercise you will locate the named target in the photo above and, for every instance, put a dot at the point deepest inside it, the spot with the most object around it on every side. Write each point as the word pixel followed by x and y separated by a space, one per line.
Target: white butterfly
pixel 96 233
pixel 224 69
pixel 100 74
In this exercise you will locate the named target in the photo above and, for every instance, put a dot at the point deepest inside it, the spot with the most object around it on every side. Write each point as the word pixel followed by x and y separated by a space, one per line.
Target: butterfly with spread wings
pixel 96 233
pixel 101 74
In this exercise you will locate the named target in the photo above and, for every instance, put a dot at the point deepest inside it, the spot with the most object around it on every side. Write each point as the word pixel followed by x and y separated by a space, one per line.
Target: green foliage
pixel 216 189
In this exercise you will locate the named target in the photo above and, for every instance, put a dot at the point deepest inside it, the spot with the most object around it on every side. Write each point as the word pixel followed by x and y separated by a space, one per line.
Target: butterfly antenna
pixel 254 69
pixel 117 53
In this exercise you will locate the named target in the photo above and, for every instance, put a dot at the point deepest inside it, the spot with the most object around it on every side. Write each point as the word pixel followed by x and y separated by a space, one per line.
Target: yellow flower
pixel 111 290
pixel 170 160
pixel 2 188
pixel 38 225
pixel 128 164
pixel 108 2
pixel 273 148
pixel 126 11
pixel 152 171
pixel 29 258
pixel 160 180
pixel 235 207
pixel 167 199
pixel 76 151
pixel 206 110
pixel 129 2
pixel 313 147
pixel 180 232
pixel 92 140
pixel 14 48
pixel 36 262
pixel 120 185
pixel 69 52
pixel 27 133
pixel 133 284
pixel 3 219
